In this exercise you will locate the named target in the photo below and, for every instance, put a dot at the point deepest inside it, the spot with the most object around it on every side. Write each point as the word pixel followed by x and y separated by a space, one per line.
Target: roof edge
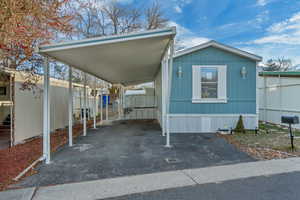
pixel 281 74
pixel 213 43
pixel 107 39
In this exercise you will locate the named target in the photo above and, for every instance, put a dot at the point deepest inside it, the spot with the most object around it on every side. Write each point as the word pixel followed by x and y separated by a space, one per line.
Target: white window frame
pixel 197 85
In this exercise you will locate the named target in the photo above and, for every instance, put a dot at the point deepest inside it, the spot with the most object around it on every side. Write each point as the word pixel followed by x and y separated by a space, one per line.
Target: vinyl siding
pixel 241 93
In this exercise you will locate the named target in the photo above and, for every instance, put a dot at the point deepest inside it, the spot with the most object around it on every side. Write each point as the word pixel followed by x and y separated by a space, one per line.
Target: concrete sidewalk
pixel 114 187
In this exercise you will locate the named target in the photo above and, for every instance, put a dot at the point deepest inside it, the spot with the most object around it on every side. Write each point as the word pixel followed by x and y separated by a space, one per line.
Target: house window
pixel 209 80
pixel 209 84
pixel 2 91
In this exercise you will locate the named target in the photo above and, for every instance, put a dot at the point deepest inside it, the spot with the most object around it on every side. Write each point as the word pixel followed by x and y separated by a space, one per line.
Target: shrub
pixel 240 126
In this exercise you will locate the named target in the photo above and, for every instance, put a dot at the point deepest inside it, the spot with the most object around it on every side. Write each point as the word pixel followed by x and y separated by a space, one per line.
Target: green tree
pixel 240 125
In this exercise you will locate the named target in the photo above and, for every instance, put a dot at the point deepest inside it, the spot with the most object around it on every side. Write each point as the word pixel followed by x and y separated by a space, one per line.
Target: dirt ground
pixel 271 142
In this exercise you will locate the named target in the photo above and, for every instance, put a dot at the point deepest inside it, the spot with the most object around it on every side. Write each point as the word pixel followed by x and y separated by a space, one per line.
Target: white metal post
pixel 265 99
pixel 163 96
pixel 168 132
pixel 119 103
pixel 80 102
pixel 101 106
pixel 84 106
pixel 46 113
pixel 106 107
pixel 70 108
pixel 122 102
pixel 169 82
pixel 95 105
pixel 88 109
pixel 11 109
pixel 257 97
pixel 280 94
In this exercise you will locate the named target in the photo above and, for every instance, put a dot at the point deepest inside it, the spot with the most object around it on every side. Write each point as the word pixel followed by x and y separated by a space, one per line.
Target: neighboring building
pixel 25 107
pixel 6 100
pixel 278 95
pixel 212 85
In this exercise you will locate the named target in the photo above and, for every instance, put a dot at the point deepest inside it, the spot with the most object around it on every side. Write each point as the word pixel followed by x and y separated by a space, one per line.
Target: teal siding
pixel 241 93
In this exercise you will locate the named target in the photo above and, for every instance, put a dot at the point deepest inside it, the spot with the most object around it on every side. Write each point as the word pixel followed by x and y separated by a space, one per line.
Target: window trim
pixel 208 100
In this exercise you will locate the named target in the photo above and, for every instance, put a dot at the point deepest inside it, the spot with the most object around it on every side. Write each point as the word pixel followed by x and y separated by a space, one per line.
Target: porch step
pixel 4 127
pixel 5 130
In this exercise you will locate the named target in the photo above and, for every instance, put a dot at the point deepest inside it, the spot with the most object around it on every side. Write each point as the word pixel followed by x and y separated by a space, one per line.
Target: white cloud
pixel 177 9
pixel 192 41
pixel 262 2
pixel 101 3
pixel 274 51
pixel 285 32
pixel 186 38
pixel 292 23
pixel 179 4
pixel 282 39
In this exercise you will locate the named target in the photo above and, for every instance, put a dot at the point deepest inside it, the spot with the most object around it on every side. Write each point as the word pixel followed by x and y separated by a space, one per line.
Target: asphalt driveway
pixel 132 147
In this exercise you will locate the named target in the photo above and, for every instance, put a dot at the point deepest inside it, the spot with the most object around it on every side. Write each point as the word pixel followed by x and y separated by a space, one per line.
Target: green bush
pixel 240 126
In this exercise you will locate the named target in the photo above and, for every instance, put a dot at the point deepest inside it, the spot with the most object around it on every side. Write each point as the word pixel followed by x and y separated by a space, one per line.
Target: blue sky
pixel 270 28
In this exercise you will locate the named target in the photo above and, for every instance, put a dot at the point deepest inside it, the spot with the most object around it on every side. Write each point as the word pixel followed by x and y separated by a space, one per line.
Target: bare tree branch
pixel 279 64
pixel 154 17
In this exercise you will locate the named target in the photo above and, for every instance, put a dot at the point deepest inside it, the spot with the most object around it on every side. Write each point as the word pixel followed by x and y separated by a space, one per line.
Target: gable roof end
pixel 218 45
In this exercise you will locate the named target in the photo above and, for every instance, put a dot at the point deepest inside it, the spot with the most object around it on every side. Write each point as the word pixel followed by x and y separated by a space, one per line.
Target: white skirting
pixel 205 123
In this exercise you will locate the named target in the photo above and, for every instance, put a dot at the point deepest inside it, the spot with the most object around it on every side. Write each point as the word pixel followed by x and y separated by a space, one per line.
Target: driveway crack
pixel 34 193
pixel 190 177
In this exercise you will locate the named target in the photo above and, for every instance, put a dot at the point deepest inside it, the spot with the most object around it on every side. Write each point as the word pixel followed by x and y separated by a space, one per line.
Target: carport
pixel 126 59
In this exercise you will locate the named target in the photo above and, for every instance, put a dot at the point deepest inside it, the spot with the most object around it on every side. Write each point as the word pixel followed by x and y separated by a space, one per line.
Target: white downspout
pixel 70 108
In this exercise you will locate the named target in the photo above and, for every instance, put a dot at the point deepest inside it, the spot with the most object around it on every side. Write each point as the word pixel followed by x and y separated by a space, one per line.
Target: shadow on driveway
pixel 129 148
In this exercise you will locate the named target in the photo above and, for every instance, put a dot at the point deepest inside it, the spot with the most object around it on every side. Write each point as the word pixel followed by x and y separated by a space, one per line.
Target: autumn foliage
pixel 24 24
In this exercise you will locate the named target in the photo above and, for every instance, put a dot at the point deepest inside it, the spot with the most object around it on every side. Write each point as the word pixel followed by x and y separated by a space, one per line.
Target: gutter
pixel 28 168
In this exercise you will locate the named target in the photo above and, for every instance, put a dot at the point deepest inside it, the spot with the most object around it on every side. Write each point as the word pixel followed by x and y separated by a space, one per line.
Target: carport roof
pixel 127 59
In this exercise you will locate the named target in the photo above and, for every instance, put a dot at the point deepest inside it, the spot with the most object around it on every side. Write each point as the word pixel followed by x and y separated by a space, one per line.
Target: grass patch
pixel 270 136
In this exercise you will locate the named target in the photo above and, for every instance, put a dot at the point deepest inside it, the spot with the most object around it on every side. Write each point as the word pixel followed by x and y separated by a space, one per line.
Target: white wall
pixel 158 96
pixel 29 108
pixel 28 113
pixel 278 96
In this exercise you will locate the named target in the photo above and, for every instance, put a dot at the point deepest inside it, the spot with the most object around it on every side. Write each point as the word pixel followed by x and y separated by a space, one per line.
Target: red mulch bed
pixel 17 158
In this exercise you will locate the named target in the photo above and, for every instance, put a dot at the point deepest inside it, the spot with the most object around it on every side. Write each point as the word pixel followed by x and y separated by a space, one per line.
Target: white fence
pixel 28 107
pixel 140 107
pixel 278 96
